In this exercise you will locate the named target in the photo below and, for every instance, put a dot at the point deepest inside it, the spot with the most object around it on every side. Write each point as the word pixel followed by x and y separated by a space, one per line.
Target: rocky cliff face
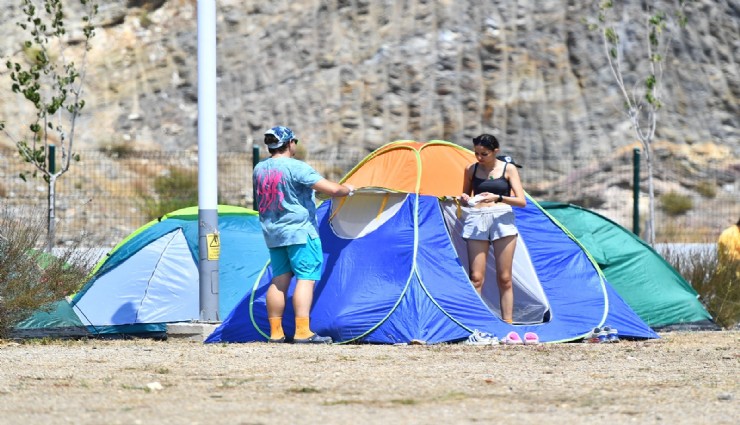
pixel 362 73
pixel 350 76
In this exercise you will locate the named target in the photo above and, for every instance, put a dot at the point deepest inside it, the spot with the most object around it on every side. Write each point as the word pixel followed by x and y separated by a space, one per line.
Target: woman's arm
pixel 518 199
pixel 467 183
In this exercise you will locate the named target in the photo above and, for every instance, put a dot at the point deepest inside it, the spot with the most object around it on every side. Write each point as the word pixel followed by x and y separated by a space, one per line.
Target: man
pixel 285 198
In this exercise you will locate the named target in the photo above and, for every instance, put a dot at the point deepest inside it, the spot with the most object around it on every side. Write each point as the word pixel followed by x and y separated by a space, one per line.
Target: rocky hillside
pixel 362 73
pixel 354 75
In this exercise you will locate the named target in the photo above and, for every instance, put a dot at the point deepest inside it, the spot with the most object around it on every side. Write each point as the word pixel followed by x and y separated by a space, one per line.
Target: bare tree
pixel 53 83
pixel 642 93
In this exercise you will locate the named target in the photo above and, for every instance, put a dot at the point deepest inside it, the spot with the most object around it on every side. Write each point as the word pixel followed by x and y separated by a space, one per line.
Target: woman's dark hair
pixel 487 141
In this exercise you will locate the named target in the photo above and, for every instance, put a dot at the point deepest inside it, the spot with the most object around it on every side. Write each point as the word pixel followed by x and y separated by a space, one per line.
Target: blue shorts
pixel 303 260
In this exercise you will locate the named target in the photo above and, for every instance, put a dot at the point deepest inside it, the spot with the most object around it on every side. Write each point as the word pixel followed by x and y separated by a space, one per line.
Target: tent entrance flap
pixel 530 302
pixel 361 214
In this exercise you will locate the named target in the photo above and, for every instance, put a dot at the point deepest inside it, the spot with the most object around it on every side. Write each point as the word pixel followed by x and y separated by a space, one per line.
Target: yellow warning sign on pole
pixel 214 246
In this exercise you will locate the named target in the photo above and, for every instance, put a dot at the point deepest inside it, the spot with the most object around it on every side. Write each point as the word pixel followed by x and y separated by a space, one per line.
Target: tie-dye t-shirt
pixel 285 200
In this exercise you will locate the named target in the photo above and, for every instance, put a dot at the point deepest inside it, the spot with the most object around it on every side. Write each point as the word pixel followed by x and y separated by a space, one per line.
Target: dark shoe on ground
pixel 276 341
pixel 314 339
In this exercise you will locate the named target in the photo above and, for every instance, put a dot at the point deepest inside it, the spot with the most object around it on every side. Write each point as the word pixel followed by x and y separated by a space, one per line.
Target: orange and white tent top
pixel 434 168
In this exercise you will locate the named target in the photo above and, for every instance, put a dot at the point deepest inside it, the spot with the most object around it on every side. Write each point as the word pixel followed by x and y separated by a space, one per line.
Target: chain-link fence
pixel 108 195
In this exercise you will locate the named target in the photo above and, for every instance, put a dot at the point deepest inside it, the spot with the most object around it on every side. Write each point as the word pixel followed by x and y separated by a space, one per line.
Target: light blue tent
pixel 151 278
pixel 395 266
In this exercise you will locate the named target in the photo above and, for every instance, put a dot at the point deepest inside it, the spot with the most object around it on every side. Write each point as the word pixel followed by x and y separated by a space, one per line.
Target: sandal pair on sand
pixel 601 335
pixel 512 338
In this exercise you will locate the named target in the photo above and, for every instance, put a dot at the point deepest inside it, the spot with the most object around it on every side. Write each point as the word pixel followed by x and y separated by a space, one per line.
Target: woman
pixel 490 220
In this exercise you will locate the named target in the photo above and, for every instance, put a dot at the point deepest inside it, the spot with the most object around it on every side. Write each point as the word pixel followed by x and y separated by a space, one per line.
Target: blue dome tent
pixel 151 277
pixel 395 269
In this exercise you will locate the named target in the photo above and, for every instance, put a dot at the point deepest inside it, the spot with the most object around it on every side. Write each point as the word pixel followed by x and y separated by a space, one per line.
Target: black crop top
pixel 499 186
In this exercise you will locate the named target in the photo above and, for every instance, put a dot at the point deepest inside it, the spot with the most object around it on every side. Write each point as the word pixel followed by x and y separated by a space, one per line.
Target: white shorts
pixel 489 223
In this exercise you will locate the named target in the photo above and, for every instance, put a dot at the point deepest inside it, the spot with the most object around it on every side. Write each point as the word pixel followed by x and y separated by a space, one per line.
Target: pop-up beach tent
pixel 655 290
pixel 396 268
pixel 151 278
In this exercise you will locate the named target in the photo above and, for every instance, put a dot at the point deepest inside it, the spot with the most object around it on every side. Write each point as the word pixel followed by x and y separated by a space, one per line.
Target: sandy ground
pixel 683 378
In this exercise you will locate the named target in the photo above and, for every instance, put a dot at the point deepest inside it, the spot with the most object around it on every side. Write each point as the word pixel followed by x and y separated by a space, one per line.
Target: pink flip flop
pixel 512 338
pixel 531 338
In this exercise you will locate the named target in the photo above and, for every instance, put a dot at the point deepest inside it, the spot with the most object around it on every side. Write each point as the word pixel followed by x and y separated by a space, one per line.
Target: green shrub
pixel 707 189
pixel 718 286
pixel 675 204
pixel 120 149
pixel 178 188
pixel 31 280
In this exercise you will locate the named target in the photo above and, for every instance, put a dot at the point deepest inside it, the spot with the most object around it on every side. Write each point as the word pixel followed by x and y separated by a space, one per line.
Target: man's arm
pixel 332 189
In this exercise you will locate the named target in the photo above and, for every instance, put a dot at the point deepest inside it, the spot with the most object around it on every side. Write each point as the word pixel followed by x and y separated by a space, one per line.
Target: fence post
pixel 52 159
pixel 255 161
pixel 636 192
pixel 51 225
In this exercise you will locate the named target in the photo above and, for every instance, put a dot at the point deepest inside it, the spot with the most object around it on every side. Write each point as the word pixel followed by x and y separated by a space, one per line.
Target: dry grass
pixel 29 278
pixel 718 285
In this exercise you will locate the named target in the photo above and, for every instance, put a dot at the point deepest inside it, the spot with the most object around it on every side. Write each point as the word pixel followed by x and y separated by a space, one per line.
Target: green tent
pixel 655 290
pixel 59 321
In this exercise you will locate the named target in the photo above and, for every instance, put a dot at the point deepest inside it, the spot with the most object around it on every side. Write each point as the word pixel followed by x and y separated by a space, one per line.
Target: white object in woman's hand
pixel 475 199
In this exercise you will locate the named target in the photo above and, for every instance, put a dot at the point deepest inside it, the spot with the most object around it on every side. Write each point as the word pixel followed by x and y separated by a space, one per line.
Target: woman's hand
pixel 464 198
pixel 488 197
